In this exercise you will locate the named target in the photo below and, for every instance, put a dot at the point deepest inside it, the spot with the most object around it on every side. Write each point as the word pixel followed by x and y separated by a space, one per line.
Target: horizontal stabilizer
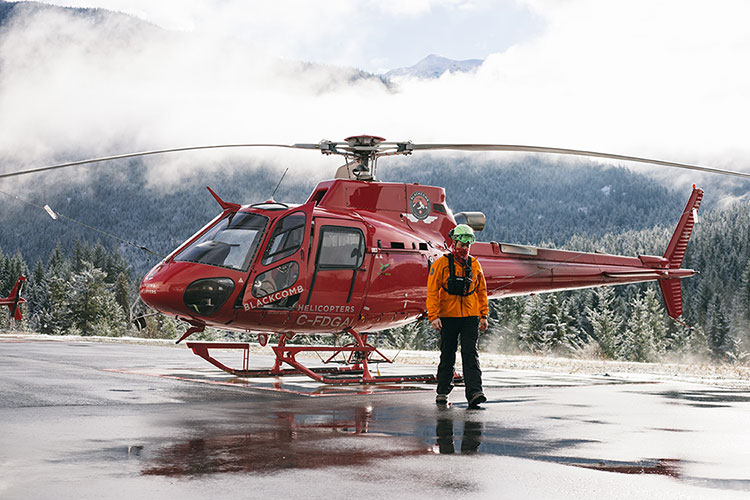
pixel 645 274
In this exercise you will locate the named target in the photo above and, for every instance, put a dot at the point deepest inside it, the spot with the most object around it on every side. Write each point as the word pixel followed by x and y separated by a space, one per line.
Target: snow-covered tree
pixel 605 321
pixel 637 343
pixel 656 317
pixel 532 325
pixel 743 297
pixel 717 330
pixel 92 304
pixel 548 327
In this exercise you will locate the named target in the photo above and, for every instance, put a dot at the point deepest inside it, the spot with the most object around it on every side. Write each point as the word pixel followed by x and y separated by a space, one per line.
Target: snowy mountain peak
pixel 433 66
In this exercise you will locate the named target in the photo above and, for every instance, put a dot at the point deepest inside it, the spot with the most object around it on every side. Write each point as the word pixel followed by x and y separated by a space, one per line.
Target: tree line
pixel 88 286
pixel 629 322
pixel 123 200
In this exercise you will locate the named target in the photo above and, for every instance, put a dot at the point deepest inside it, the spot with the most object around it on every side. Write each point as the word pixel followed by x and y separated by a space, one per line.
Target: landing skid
pixel 358 356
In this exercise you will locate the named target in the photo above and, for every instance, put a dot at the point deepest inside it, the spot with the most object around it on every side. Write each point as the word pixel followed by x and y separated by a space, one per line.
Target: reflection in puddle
pixel 357 436
pixel 708 398
pixel 472 436
pixel 662 467
pixel 524 443
pixel 295 442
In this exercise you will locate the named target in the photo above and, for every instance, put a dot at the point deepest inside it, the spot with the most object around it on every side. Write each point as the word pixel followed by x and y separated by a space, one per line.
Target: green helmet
pixel 463 233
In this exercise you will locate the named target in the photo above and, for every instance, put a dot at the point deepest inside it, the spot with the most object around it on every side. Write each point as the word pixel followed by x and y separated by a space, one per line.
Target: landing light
pixel 206 296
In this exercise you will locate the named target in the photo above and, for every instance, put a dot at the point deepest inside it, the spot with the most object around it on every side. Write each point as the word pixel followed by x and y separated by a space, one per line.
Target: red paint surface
pixel 388 289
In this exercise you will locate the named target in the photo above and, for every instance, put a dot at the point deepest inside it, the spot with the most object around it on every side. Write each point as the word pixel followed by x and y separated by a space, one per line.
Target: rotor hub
pixel 364 140
pixel 362 149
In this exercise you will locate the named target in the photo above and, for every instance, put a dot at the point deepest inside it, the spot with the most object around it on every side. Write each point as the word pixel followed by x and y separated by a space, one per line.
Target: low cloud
pixel 629 78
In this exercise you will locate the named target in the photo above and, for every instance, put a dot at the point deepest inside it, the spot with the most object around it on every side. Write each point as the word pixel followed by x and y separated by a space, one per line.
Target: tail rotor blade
pixel 15 312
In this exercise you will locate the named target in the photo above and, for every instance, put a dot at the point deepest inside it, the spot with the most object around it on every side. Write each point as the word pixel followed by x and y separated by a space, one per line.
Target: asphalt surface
pixel 105 420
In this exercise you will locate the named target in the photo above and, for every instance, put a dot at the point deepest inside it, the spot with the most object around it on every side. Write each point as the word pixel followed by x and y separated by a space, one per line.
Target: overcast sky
pixel 374 35
pixel 665 79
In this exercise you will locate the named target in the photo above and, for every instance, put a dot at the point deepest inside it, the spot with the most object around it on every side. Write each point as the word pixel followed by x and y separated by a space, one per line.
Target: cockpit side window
pixel 231 242
pixel 286 238
pixel 341 248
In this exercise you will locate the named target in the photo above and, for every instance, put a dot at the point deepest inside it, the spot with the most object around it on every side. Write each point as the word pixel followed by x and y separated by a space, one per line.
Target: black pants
pixel 468 330
pixel 470 442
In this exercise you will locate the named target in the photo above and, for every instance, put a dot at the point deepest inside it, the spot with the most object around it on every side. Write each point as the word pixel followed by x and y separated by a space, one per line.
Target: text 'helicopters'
pixel 355 258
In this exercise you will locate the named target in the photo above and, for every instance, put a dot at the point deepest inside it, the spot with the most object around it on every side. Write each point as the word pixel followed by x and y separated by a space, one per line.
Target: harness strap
pixel 467 272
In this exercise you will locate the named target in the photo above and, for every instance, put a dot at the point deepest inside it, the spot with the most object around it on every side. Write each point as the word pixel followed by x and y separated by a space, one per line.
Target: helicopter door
pixel 279 274
pixel 339 278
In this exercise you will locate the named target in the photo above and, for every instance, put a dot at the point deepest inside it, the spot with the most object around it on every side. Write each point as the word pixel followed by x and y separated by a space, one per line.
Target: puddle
pixel 296 441
pixel 361 436
pixel 299 385
pixel 661 467
pixel 708 398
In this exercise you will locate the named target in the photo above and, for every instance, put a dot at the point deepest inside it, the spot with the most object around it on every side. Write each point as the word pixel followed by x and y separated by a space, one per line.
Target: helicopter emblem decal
pixel 419 204
pixel 419 208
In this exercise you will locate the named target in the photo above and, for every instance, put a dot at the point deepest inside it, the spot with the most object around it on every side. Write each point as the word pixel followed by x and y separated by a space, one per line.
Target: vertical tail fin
pixel 15 297
pixel 678 244
pixel 671 289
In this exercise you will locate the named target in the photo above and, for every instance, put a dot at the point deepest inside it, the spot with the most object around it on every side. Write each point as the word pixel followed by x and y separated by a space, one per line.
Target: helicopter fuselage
pixel 355 255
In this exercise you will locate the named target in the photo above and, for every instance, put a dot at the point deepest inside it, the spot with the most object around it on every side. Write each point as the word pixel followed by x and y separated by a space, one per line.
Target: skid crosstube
pixel 202 349
pixel 358 354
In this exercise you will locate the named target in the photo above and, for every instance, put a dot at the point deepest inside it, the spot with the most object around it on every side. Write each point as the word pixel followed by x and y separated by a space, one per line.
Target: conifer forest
pixel 84 282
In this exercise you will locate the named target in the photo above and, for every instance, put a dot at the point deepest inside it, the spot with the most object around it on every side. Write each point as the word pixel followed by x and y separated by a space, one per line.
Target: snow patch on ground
pixel 723 375
pixel 720 375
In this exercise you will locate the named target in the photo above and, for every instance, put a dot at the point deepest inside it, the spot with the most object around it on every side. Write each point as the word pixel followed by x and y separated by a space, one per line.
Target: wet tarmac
pixel 96 420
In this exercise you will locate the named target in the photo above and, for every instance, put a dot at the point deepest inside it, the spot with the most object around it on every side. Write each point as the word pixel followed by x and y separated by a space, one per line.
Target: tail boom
pixel 519 270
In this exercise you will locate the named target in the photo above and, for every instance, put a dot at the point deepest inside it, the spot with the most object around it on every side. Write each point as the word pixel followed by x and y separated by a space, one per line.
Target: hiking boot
pixel 476 400
pixel 441 399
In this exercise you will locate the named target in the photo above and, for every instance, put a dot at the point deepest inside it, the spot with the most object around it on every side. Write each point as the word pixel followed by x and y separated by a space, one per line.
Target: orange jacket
pixel 441 304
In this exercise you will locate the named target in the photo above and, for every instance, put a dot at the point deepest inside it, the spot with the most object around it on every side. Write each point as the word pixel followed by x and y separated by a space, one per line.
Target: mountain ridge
pixel 434 66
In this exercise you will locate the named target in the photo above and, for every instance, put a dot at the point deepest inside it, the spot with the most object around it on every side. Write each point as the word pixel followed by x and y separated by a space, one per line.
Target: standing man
pixel 457 306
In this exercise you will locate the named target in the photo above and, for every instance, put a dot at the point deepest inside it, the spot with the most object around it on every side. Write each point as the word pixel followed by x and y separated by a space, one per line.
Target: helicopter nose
pixel 178 288
pixel 154 290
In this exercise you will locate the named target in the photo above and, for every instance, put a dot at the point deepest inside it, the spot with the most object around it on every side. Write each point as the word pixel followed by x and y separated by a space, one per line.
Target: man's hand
pixel 437 324
pixel 483 324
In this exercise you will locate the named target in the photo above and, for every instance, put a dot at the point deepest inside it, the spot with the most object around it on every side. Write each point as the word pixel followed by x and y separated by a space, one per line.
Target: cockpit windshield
pixel 231 242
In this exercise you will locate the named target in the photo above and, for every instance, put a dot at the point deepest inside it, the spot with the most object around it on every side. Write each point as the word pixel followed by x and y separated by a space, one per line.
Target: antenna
pixel 279 184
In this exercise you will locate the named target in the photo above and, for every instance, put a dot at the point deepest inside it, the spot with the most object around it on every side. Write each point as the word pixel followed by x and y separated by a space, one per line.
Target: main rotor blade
pixel 146 153
pixel 573 152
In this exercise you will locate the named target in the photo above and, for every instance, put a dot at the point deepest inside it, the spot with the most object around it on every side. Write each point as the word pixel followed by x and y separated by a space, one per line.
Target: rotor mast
pixel 363 151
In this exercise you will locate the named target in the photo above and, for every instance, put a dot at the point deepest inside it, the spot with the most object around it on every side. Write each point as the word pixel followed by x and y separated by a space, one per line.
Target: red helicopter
pixel 14 300
pixel 354 259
